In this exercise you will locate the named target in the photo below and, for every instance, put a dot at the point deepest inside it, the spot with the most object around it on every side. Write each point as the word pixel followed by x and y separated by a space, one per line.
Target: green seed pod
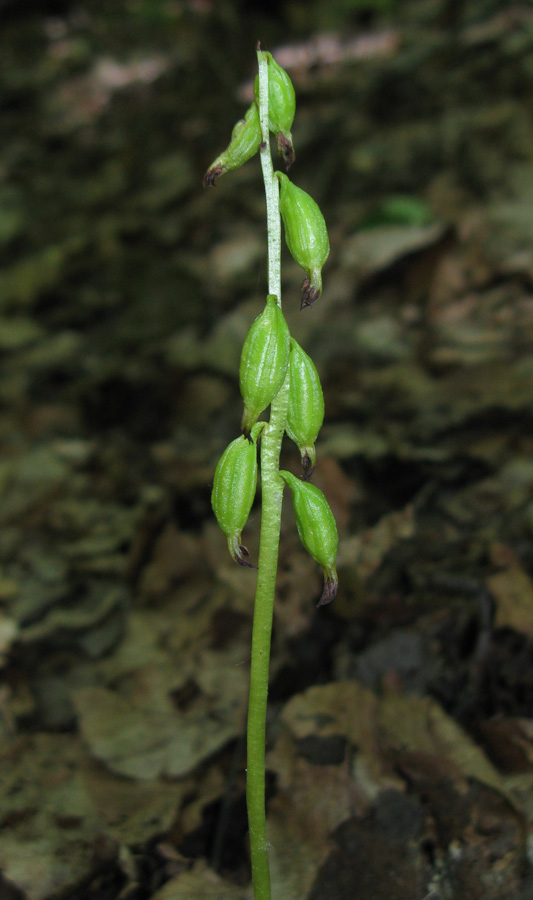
pixel 306 405
pixel 245 141
pixel 281 108
pixel 234 487
pixel 306 235
pixel 317 529
pixel 264 361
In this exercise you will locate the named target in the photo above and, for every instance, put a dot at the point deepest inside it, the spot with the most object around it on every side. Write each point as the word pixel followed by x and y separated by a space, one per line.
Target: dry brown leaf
pixel 201 883
pixel 512 590
pixel 510 743
pixel 420 725
pixel 56 803
pixel 310 802
pixel 341 709
pixel 374 250
pixel 175 555
pixel 144 744
pixel 8 633
pixel 469 801
pixel 365 551
pixel 380 727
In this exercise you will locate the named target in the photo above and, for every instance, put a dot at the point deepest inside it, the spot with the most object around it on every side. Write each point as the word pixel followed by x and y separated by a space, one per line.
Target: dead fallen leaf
pixel 311 801
pixel 379 727
pixel 140 734
pixel 201 883
pixel 374 250
pixel 54 810
pixel 512 590
pixel 510 742
pixel 363 553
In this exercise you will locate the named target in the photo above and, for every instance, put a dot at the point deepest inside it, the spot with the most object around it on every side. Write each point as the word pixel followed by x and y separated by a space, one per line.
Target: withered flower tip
pixel 329 593
pixel 286 150
pixel 210 177
pixel 310 294
pixel 240 554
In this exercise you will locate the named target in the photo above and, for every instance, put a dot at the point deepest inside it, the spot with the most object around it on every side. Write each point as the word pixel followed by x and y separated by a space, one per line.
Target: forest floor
pixel 400 734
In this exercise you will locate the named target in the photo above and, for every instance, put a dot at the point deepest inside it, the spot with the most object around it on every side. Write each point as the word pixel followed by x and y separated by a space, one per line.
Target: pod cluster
pixel 306 234
pixel 281 108
pixel 271 358
pixel 246 135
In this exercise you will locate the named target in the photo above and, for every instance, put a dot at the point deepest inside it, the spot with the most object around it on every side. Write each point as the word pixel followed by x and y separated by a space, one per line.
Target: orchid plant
pixel 274 372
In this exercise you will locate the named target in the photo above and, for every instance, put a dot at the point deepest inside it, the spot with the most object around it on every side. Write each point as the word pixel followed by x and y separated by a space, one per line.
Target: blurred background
pixel 400 738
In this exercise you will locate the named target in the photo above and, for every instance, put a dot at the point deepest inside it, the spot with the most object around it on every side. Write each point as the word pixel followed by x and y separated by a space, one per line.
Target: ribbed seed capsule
pixel 306 405
pixel 234 487
pixel 317 529
pixel 306 235
pixel 264 361
pixel 245 141
pixel 281 108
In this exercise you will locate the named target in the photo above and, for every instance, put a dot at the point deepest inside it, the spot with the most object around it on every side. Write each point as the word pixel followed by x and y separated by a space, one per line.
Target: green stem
pixel 271 185
pixel 272 494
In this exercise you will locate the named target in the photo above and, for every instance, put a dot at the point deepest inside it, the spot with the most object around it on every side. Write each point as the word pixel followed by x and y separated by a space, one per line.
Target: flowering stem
pixel 272 494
